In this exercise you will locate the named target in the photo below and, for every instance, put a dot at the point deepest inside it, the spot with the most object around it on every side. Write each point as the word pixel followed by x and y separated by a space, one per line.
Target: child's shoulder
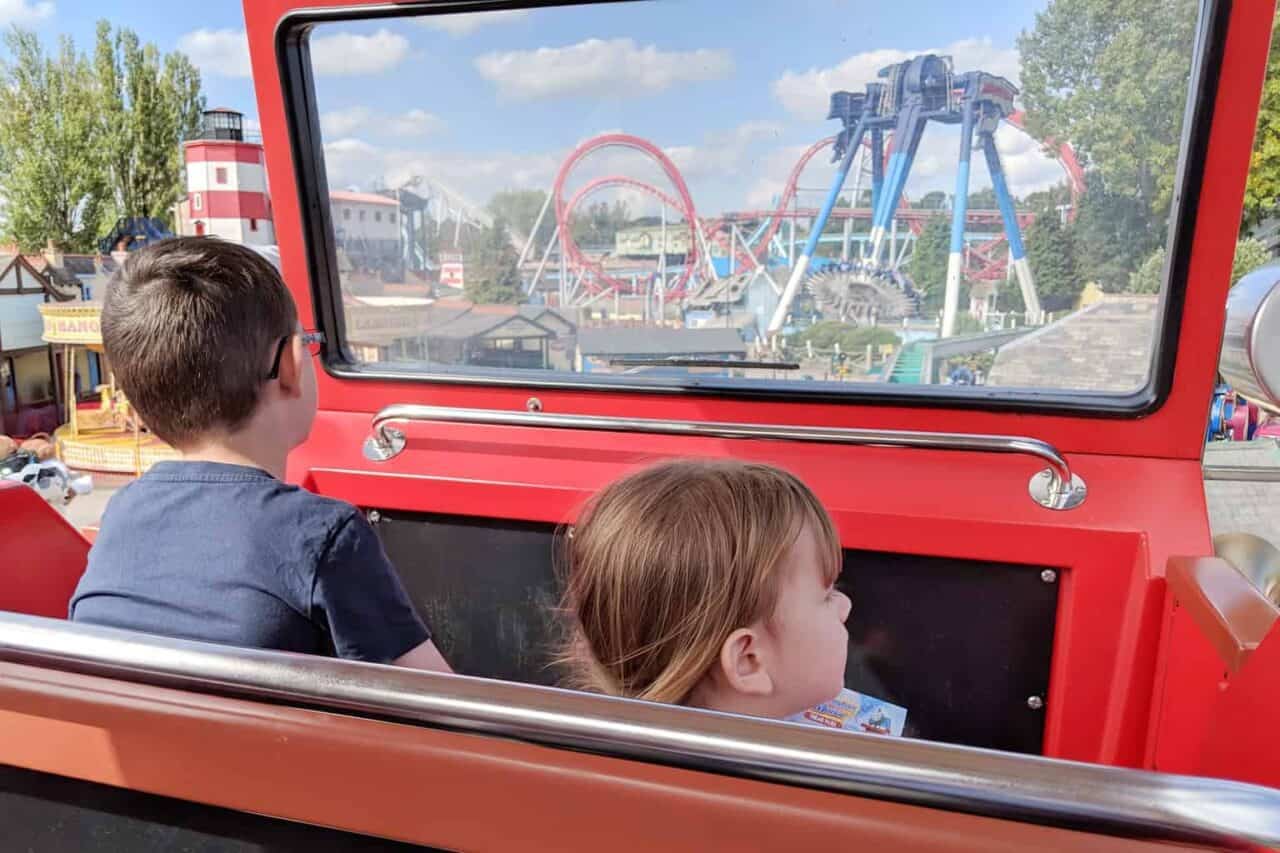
pixel 218 493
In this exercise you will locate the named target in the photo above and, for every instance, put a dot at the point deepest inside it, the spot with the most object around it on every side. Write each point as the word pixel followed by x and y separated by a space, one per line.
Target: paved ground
pixel 85 511
pixel 1245 507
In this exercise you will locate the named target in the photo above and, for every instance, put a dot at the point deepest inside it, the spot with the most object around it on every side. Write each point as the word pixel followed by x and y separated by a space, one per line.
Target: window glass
pixel 819 195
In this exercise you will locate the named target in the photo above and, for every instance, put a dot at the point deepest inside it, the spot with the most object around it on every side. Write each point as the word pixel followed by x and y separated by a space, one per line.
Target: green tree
pixel 852 339
pixel 1262 194
pixel 1149 277
pixel 1051 255
pixel 51 170
pixel 984 199
pixel 935 200
pixel 598 225
pixel 493 274
pixel 1112 233
pixel 520 208
pixel 1048 201
pixel 1110 77
pixel 1250 254
pixel 928 265
pixel 149 104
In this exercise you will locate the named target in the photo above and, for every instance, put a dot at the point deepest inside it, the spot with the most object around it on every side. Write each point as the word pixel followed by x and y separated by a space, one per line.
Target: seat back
pixel 41 555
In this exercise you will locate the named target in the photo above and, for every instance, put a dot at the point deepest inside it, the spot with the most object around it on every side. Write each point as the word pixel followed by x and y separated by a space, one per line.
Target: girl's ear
pixel 742 665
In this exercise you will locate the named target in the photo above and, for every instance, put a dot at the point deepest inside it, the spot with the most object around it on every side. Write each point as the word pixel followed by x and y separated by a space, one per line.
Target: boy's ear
pixel 290 376
pixel 742 665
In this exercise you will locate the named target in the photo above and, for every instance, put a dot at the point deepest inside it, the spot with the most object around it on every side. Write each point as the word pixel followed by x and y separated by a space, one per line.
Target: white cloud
pixel 348 161
pixel 23 12
pixel 723 153
pixel 415 122
pixel 1026 167
pixel 349 54
pixel 224 53
pixel 465 23
pixel 355 162
pixel 617 67
pixel 343 123
pixel 807 93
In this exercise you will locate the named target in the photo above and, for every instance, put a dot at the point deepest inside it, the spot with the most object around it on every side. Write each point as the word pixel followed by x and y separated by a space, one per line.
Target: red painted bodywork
pixel 1132 680
pixel 42 556
pixel 233 204
pixel 1146 498
pixel 203 150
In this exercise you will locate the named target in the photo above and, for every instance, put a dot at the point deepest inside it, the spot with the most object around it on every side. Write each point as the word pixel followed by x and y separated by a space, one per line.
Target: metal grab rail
pixel 1029 789
pixel 1054 487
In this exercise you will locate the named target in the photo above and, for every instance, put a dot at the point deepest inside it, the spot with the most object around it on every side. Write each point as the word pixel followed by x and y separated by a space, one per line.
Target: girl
pixel 710 584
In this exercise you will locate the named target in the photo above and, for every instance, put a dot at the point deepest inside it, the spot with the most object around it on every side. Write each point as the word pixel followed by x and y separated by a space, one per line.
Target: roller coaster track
pixel 988 261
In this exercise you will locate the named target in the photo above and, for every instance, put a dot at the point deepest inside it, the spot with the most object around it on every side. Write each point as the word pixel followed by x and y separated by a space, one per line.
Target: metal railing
pixel 1055 487
pixel 1030 789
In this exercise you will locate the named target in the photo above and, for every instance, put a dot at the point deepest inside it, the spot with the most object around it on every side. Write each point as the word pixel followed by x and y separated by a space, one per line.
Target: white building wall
pixel 20 322
pixel 227 229
pixel 367 221
pixel 265 235
pixel 247 177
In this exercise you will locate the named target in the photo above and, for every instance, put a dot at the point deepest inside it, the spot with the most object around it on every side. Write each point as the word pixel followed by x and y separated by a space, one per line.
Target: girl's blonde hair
pixel 663 565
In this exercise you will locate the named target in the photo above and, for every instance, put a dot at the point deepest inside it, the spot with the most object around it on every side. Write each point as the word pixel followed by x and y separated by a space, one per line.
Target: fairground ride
pixel 877 144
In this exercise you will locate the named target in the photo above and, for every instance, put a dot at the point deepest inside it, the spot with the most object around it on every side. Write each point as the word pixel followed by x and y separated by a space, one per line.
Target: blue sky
pixel 731 91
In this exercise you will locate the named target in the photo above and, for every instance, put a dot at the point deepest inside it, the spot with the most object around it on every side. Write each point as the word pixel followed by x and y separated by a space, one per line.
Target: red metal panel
pixel 969 506
pixel 1145 504
pixel 1190 678
pixel 1175 431
pixel 200 151
pixel 1240 739
pixel 233 204
pixel 42 558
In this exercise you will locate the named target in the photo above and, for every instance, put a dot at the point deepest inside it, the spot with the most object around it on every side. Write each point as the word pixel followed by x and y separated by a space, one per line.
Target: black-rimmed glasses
pixel 310 339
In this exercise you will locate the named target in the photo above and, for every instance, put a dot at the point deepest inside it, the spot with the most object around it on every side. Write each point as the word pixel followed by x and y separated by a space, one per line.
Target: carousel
pixel 107 435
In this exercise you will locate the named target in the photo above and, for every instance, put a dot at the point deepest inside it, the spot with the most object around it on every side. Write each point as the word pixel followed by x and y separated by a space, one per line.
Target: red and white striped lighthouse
pixel 226 183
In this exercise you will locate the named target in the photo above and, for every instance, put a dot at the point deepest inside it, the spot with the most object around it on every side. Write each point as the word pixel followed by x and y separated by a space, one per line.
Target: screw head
pixel 533 404
pixel 374 516
pixel 1035 703
pixel 1049 576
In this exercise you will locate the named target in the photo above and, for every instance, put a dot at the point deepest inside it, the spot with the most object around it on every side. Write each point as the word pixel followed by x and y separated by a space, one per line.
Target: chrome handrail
pixel 1006 786
pixel 1055 487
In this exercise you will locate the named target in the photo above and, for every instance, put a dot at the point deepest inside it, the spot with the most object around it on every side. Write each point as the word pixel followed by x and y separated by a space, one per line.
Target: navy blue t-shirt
pixel 229 554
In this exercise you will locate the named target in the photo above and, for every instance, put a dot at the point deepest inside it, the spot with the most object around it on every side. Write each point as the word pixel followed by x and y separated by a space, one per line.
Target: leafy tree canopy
pixel 1110 77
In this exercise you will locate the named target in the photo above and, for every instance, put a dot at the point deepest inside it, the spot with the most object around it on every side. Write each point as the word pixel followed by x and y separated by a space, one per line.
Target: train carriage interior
pixel 567 240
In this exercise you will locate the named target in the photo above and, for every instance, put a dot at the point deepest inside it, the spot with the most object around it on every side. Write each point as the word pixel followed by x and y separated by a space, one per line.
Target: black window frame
pixel 306 147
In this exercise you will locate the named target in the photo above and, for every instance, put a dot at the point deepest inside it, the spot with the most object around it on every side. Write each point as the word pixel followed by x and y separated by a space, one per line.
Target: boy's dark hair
pixel 189 325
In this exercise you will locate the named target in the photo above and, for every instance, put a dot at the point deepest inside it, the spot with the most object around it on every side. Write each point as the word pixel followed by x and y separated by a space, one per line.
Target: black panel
pixel 43 813
pixel 962 645
pixel 486 587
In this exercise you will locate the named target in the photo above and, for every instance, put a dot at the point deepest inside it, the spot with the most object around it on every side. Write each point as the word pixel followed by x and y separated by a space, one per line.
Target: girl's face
pixel 807 637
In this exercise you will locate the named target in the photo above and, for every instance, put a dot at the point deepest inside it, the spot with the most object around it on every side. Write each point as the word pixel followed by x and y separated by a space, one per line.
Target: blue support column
pixel 877 167
pixel 906 141
pixel 1026 281
pixel 801 265
pixel 959 209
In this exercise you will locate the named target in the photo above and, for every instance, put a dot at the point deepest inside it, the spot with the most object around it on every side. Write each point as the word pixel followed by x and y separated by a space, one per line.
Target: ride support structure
pixel 916 92
pixel 881 132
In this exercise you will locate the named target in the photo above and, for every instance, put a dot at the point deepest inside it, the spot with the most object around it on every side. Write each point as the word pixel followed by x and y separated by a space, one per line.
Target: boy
pixel 204 340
